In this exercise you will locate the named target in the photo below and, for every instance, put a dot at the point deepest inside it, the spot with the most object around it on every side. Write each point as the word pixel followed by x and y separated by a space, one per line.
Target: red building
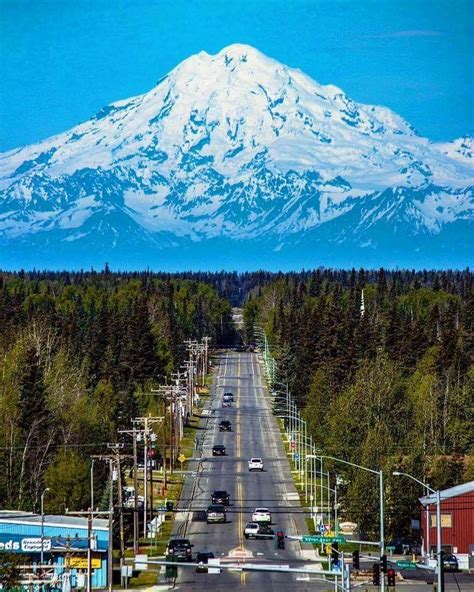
pixel 457 520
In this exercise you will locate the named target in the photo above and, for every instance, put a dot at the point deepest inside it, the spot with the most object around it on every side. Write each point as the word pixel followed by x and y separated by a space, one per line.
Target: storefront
pixel 63 542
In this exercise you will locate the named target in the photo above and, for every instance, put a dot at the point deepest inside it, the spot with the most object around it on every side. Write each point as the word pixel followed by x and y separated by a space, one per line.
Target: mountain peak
pixel 240 51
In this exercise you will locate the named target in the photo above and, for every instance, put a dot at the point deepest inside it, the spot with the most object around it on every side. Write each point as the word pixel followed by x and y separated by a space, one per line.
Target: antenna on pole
pixel 362 303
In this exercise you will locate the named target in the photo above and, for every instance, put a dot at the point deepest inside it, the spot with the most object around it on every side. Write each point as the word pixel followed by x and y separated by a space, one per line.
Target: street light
pixel 380 476
pixel 42 524
pixel 438 524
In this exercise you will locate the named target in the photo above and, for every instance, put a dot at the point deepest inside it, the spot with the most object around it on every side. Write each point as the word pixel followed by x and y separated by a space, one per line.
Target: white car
pixel 262 515
pixel 255 464
pixel 251 530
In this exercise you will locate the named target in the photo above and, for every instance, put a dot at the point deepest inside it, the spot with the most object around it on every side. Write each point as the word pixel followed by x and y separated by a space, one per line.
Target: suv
pixel 450 563
pixel 220 497
pixel 262 515
pixel 255 464
pixel 216 513
pixel 218 450
pixel 225 426
pixel 181 549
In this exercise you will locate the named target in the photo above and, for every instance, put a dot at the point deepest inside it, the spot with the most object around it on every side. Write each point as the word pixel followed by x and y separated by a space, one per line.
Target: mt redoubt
pixel 236 160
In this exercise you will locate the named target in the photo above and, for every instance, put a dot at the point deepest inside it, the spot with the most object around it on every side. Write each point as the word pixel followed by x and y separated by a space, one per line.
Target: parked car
pixel 262 515
pixel 405 546
pixel 218 450
pixel 181 549
pixel 225 426
pixel 202 560
pixel 450 563
pixel 220 497
pixel 253 530
pixel 255 464
pixel 216 513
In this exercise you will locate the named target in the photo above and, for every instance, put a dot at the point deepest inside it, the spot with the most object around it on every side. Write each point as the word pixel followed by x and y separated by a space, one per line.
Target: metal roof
pixel 468 487
pixel 18 517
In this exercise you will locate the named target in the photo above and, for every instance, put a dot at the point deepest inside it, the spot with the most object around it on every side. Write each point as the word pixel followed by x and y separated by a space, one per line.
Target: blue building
pixel 65 543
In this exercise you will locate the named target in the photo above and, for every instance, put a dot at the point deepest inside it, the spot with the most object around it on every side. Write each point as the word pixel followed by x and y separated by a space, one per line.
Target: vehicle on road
pixel 262 515
pixel 228 397
pixel 218 450
pixel 253 530
pixel 220 497
pixel 255 464
pixel 405 546
pixel 226 403
pixel 181 549
pixel 216 513
pixel 450 563
pixel 202 560
pixel 225 426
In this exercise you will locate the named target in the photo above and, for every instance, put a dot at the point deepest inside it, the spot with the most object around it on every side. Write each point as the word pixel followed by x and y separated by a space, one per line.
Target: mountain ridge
pixel 241 147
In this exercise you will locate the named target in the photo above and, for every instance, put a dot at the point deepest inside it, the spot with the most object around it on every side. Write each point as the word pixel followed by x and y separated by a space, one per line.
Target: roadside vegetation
pixel 381 364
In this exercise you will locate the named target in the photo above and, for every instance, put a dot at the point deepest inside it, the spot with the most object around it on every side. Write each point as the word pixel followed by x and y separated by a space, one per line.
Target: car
pixel 216 513
pixel 202 560
pixel 226 403
pixel 405 546
pixel 253 530
pixel 218 450
pixel 450 563
pixel 181 549
pixel 229 396
pixel 255 464
pixel 262 515
pixel 220 497
pixel 225 426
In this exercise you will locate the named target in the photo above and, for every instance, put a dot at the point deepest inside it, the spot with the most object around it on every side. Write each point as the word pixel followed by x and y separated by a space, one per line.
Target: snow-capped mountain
pixel 233 150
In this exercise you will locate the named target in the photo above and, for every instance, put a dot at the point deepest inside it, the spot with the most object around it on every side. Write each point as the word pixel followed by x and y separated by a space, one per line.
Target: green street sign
pixel 405 564
pixel 322 539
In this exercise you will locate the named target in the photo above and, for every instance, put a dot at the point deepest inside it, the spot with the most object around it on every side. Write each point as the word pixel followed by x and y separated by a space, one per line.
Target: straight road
pixel 255 433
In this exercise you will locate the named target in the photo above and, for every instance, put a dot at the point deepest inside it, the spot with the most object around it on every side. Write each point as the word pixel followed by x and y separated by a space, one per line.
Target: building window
pixel 446 521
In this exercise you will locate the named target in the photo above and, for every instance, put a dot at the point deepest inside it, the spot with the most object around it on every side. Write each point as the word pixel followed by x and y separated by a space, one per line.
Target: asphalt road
pixel 255 433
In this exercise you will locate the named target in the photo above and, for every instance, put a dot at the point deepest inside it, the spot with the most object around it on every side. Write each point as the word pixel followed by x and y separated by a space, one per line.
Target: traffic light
pixel 383 564
pixel 355 560
pixel 391 578
pixel 376 574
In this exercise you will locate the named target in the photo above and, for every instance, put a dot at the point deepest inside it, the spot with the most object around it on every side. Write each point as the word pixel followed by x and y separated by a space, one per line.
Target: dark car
pixel 218 450
pixel 405 546
pixel 220 497
pixel 265 532
pixel 181 549
pixel 450 563
pixel 229 396
pixel 202 560
pixel 225 426
pixel 216 513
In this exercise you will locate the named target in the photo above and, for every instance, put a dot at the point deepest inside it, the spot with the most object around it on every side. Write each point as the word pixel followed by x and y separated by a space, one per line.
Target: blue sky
pixel 62 60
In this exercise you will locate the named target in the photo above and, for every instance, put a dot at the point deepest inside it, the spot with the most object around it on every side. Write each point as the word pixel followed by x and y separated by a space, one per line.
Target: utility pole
pixel 133 433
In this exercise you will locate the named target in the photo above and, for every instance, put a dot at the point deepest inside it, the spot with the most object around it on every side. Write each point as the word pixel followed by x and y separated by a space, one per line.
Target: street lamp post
pixel 381 491
pixel 439 569
pixel 42 526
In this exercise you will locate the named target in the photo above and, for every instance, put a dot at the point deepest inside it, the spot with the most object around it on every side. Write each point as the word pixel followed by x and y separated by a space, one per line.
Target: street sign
pixel 296 456
pixel 406 564
pixel 293 445
pixel 181 458
pixel 323 539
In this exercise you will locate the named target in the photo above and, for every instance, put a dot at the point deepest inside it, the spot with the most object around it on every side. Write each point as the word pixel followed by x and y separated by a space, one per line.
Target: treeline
pixel 78 353
pixel 382 366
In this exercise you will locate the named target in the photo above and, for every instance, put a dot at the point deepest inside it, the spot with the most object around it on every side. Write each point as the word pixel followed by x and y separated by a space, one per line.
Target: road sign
pixel 406 564
pixel 323 539
pixel 181 458
pixel 293 445
pixel 296 456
